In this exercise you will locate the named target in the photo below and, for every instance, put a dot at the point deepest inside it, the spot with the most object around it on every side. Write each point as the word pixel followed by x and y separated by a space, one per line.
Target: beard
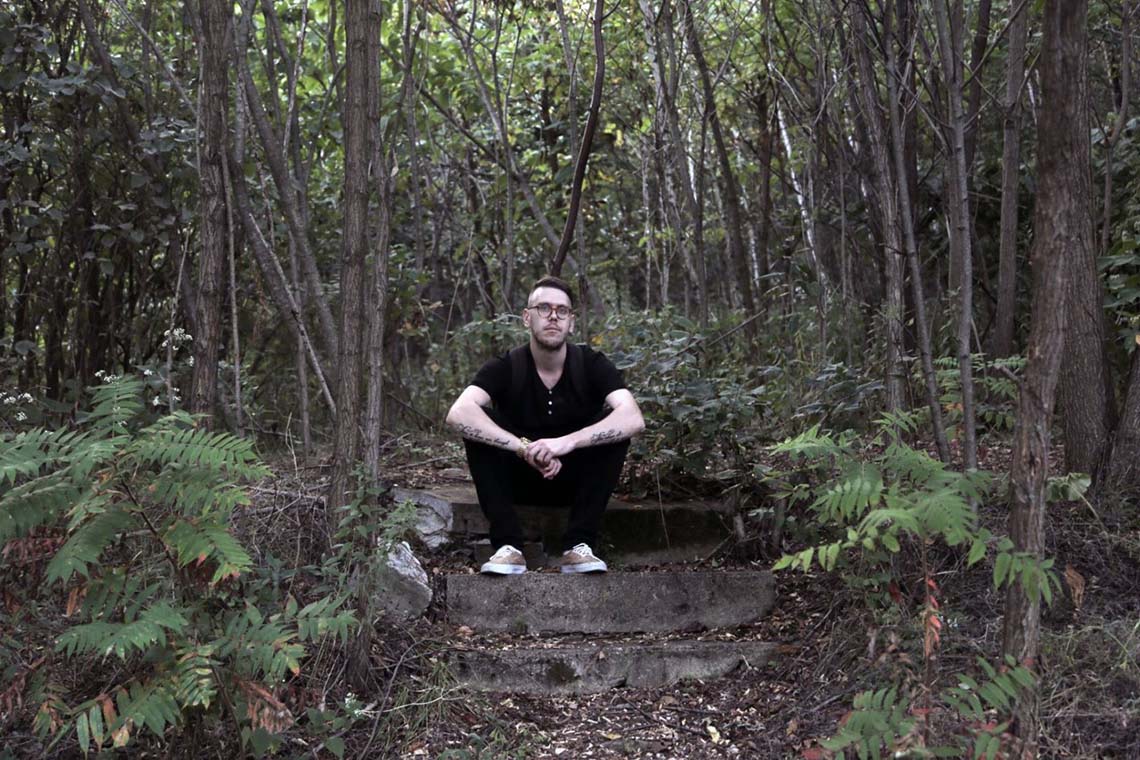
pixel 549 341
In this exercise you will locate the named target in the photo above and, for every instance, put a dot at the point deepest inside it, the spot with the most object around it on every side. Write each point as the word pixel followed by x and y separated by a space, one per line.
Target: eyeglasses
pixel 546 309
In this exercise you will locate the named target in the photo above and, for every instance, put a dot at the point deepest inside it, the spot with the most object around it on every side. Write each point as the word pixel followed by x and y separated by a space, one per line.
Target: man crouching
pixel 547 423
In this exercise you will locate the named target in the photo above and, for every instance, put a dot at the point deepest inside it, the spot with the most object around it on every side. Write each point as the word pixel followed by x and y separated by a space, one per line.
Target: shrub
pixel 136 512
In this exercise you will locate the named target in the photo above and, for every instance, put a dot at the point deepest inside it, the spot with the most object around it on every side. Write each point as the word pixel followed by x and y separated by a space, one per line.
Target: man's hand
pixel 544 450
pixel 544 455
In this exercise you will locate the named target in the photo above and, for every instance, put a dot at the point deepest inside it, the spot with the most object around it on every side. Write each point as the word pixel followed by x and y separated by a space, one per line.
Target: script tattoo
pixel 474 434
pixel 606 436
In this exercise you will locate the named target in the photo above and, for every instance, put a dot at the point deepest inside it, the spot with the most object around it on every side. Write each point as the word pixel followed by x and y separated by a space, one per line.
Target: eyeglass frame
pixel 561 310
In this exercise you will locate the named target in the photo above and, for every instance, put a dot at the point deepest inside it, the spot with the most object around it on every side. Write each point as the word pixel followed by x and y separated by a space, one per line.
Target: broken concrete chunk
pixel 402 591
pixel 434 516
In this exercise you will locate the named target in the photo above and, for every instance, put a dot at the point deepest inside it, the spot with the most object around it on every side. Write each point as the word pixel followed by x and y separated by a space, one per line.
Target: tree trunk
pixel 730 190
pixel 921 325
pixel 888 211
pixel 376 279
pixel 1010 183
pixel 1061 226
pixel 286 195
pixel 358 143
pixel 213 113
pixel 961 236
pixel 1085 392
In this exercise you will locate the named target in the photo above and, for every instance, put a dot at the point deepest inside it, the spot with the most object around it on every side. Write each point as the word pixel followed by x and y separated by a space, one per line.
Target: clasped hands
pixel 544 455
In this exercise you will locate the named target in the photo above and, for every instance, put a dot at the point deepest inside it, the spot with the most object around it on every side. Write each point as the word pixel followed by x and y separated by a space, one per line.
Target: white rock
pixel 434 516
pixel 402 588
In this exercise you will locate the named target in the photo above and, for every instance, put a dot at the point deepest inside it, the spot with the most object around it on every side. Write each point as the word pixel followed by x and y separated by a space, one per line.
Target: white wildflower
pixel 20 416
pixel 26 398
pixel 157 401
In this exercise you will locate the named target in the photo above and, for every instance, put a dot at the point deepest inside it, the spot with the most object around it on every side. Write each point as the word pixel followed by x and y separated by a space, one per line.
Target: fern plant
pixel 871 501
pixel 143 509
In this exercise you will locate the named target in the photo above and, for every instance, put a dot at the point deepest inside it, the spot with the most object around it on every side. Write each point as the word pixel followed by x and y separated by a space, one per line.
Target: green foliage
pixel 879 718
pixel 995 388
pixel 876 501
pixel 885 719
pixel 143 513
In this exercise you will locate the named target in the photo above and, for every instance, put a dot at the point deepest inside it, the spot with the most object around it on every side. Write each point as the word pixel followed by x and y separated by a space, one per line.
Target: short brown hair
pixel 550 281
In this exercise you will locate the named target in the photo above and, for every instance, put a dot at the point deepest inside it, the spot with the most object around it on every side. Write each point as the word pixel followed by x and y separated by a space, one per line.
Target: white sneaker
pixel 581 559
pixel 506 561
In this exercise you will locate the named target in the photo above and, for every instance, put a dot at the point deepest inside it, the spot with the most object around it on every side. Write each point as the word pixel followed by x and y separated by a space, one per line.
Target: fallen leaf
pixel 793 726
pixel 1076 583
pixel 714 734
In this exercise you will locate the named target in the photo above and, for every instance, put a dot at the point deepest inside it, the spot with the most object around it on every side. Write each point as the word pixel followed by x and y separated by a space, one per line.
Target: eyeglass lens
pixel 544 309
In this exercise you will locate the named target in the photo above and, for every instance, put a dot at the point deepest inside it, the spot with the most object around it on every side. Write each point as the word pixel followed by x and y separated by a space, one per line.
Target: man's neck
pixel 546 359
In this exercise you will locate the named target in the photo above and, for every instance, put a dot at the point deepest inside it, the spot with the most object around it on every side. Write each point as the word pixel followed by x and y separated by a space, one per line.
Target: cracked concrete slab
pixel 615 602
pixel 588 668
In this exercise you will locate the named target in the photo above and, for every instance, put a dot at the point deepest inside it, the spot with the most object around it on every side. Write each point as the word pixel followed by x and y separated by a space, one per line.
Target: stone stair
pixel 545 633
pixel 634 533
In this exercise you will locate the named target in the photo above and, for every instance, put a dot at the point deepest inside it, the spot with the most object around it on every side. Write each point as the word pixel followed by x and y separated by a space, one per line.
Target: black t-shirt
pixel 534 410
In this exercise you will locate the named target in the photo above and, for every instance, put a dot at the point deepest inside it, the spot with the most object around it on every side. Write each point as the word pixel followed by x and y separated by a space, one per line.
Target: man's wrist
pixel 524 443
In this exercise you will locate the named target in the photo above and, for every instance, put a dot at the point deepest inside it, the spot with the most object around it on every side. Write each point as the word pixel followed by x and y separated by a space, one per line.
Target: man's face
pixel 549 331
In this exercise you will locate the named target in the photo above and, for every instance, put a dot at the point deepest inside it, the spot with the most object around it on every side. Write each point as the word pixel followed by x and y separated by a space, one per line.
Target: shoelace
pixel 506 550
pixel 584 550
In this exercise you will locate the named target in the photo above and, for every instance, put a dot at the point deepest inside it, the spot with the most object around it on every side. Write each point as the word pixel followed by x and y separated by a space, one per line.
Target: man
pixel 557 434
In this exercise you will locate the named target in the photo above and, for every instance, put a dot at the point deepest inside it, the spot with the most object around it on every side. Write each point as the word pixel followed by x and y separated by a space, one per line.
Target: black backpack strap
pixel 576 364
pixel 517 358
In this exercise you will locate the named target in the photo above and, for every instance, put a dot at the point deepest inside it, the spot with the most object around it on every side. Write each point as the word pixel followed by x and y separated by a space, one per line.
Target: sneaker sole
pixel 494 568
pixel 585 567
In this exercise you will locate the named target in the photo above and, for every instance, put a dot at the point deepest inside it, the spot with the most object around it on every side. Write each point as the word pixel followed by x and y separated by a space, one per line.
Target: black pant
pixel 503 479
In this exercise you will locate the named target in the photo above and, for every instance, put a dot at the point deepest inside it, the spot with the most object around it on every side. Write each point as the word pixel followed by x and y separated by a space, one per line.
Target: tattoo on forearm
pixel 475 434
pixel 606 436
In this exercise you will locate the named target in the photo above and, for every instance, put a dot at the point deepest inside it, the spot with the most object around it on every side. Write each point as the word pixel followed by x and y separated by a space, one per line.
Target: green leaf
pixel 95 720
pixel 1001 568
pixel 335 745
pixel 83 733
pixel 977 551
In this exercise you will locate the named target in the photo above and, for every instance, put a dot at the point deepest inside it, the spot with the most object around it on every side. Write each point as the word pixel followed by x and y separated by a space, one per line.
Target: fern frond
pixel 847 499
pixel 208 541
pixel 34 503
pixel 28 453
pixel 259 648
pixel 113 405
pixel 152 704
pixel 88 542
pixel 194 680
pixel 196 491
pixel 810 444
pixel 197 448
pixel 122 639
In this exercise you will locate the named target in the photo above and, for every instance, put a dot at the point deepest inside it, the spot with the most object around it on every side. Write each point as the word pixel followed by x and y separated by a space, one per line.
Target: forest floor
pixel 833 642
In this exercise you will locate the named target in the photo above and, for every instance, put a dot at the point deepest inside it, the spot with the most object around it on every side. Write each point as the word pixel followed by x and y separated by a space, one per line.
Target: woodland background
pixel 310 221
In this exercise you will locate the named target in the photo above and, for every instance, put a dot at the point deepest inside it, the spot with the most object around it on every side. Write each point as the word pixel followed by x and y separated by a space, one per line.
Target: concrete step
pixel 585 668
pixel 615 602
pixel 640 532
pixel 539 556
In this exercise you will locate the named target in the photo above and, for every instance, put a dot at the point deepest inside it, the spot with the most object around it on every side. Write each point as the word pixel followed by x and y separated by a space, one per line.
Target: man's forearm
pixel 475 425
pixel 618 425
